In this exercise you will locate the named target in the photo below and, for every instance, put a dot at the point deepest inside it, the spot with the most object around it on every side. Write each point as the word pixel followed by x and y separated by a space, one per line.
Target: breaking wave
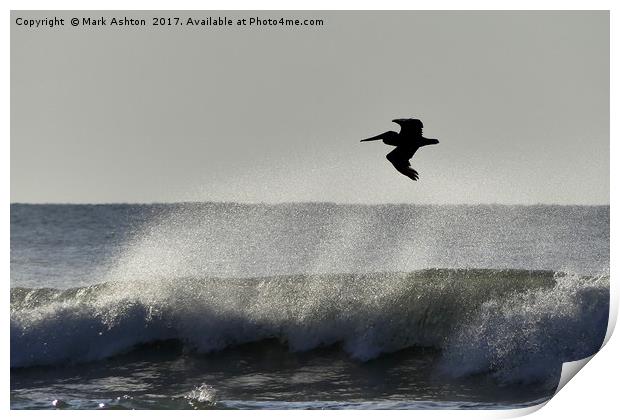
pixel 517 325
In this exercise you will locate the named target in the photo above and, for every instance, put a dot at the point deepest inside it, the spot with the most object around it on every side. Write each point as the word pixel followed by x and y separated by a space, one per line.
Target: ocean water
pixel 302 306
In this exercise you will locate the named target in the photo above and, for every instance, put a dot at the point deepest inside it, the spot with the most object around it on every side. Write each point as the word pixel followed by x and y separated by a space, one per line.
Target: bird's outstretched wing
pixel 408 124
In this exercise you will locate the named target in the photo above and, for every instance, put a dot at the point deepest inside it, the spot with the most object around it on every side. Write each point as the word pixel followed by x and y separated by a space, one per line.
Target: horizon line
pixel 111 203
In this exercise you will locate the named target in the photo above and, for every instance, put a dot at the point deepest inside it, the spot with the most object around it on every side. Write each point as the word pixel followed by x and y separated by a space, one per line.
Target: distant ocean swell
pixel 516 325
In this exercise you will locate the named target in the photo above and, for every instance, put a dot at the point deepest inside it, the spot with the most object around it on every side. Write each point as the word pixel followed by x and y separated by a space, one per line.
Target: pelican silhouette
pixel 407 142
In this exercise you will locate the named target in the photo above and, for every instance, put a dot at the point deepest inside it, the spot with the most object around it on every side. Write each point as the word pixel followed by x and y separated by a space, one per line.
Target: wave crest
pixel 514 323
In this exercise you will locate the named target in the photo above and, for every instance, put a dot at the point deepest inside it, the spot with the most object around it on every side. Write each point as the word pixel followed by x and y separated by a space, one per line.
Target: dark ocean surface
pixel 310 305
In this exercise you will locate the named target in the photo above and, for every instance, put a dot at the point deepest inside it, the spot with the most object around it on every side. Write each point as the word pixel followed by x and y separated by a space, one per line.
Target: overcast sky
pixel 518 100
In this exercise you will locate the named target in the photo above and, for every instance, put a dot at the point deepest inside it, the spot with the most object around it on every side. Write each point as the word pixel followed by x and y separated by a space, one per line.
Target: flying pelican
pixel 407 142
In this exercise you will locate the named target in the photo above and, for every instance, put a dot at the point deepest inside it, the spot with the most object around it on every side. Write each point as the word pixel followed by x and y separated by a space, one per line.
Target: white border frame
pixel 592 394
